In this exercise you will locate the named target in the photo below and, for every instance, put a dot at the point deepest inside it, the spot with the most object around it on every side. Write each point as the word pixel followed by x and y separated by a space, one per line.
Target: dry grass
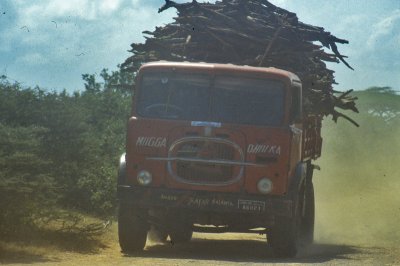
pixel 47 244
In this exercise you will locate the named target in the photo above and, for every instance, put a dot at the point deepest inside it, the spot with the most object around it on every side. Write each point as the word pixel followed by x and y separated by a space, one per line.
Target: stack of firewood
pixel 250 32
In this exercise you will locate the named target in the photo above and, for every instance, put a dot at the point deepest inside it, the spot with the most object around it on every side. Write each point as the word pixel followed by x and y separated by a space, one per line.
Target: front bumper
pixel 151 197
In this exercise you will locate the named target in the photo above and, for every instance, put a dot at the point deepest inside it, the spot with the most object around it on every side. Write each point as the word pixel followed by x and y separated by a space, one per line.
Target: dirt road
pixel 209 249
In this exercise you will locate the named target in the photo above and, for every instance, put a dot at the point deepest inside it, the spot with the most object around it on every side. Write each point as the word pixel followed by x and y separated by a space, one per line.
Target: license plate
pixel 251 205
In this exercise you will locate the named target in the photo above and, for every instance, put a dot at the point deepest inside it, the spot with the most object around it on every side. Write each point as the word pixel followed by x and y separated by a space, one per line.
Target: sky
pixel 51 43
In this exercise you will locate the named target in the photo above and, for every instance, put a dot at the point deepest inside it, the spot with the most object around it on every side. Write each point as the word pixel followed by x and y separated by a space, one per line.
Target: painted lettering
pixel 198 202
pixel 262 148
pixel 221 202
pixel 169 197
pixel 154 142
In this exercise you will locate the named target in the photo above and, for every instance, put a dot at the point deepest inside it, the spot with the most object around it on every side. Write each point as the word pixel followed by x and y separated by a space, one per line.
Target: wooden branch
pixel 179 7
pixel 270 45
pixel 336 115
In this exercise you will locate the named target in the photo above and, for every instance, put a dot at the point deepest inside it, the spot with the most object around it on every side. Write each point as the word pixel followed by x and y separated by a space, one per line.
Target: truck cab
pixel 218 148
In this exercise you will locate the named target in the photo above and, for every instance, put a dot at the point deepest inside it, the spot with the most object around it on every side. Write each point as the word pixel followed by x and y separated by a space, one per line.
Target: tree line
pixel 59 151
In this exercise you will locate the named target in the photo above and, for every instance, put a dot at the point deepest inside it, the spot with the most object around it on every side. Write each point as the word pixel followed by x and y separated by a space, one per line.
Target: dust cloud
pixel 358 187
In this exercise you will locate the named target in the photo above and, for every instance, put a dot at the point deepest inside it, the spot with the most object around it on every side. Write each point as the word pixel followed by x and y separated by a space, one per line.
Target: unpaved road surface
pixel 216 249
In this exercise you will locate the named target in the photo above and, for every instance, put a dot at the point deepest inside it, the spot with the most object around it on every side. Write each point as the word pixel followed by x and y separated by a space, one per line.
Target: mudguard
pixel 122 170
pixel 298 179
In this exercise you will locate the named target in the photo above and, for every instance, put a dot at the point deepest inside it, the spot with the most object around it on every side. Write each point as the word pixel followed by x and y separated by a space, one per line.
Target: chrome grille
pixel 203 153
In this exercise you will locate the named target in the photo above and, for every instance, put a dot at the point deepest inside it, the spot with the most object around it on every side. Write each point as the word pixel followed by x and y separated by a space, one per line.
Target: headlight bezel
pixel 144 178
pixel 265 185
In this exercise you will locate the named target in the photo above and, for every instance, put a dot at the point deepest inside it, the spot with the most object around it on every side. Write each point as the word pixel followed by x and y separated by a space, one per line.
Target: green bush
pixel 27 191
pixel 60 150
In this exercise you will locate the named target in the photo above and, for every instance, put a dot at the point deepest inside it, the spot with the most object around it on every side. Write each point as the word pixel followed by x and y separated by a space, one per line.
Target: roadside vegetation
pixel 59 153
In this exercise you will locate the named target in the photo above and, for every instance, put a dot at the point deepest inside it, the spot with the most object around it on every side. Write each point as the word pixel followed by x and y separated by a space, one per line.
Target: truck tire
pixel 308 219
pixel 284 237
pixel 132 228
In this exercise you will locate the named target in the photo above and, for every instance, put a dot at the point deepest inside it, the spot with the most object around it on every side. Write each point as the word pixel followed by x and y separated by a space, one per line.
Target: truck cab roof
pixel 221 68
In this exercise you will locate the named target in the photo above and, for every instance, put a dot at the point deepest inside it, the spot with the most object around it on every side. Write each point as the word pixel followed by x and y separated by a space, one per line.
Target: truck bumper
pixel 150 197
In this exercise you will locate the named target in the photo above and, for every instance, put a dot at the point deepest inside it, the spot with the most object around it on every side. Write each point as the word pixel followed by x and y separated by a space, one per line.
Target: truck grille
pixel 205 164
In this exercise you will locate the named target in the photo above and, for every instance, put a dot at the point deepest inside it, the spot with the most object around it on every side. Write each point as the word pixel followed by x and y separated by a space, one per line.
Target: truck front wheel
pixel 132 228
pixel 288 234
pixel 308 217
pixel 283 237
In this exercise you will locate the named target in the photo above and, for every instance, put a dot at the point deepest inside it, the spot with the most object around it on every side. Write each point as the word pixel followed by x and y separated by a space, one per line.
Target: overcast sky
pixel 51 43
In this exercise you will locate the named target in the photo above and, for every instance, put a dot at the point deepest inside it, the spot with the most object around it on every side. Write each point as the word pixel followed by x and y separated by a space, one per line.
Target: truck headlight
pixel 264 185
pixel 144 178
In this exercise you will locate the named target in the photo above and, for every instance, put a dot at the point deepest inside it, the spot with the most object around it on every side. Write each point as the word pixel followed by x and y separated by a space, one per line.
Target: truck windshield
pixel 202 97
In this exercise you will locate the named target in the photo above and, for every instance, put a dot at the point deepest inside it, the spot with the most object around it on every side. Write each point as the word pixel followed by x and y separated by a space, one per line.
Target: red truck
pixel 218 148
